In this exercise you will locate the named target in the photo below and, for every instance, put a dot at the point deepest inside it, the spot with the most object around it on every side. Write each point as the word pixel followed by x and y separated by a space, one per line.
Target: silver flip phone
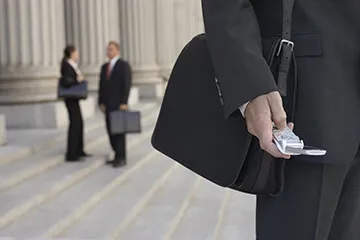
pixel 290 144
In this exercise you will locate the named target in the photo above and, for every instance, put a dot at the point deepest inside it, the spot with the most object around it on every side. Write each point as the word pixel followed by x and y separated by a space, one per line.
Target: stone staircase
pixel 152 198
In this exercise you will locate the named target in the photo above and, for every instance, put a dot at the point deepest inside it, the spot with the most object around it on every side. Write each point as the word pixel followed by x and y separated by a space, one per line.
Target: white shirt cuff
pixel 243 108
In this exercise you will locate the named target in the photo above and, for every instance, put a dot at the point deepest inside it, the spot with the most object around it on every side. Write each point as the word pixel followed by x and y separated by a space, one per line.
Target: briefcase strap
pixel 288 6
pixel 283 50
pixel 285 47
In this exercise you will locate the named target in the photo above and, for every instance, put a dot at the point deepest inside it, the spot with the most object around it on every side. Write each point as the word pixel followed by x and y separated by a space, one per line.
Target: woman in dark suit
pixel 71 75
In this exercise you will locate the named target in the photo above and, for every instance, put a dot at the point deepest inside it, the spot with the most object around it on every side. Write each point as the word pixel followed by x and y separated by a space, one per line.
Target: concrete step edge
pixel 26 151
pixel 142 204
pixel 180 214
pixel 221 215
pixel 39 199
pixel 63 224
pixel 53 162
pixel 67 182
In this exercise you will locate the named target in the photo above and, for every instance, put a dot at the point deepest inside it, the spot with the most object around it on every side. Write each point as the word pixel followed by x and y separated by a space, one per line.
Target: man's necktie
pixel 108 71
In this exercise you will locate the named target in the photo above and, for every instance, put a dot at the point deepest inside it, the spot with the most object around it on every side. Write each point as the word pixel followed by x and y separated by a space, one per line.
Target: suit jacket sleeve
pixel 101 95
pixel 68 75
pixel 127 83
pixel 234 40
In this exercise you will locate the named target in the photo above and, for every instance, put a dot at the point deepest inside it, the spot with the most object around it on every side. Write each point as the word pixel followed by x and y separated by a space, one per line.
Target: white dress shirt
pixel 243 108
pixel 74 65
pixel 112 62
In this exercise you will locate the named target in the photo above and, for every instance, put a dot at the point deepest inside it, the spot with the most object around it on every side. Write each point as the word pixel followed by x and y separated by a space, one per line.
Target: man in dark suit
pixel 114 88
pixel 321 199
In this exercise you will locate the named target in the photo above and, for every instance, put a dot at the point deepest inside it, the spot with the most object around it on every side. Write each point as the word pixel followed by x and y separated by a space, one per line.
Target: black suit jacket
pixel 68 75
pixel 115 90
pixel 327 49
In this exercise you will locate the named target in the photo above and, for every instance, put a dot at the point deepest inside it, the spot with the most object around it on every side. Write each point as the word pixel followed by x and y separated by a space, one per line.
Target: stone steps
pixel 118 203
pixel 152 198
pixel 180 187
pixel 77 182
pixel 15 172
pixel 238 218
pixel 49 182
pixel 40 189
pixel 209 195
pixel 22 143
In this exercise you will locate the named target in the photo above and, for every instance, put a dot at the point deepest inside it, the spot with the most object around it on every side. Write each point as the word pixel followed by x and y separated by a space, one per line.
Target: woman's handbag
pixel 77 91
pixel 192 129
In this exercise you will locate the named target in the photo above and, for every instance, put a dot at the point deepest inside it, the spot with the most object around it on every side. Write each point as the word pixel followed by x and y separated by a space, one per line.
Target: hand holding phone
pixel 290 144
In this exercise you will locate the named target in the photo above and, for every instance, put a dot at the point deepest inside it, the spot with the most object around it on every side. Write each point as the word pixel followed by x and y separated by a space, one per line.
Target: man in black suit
pixel 114 88
pixel 321 199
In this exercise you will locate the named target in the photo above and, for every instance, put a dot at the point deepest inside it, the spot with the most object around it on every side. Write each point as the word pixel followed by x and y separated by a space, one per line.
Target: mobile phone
pixel 289 143
pixel 306 150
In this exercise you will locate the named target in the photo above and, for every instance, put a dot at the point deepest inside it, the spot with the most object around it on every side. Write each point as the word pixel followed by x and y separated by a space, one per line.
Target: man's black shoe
pixel 73 159
pixel 84 155
pixel 119 163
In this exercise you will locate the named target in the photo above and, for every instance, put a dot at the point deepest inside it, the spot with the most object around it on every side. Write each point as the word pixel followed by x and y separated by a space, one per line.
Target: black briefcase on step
pixel 122 122
pixel 192 129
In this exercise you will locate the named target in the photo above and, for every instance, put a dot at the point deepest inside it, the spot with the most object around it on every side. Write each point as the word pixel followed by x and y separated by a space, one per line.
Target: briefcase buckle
pixel 285 42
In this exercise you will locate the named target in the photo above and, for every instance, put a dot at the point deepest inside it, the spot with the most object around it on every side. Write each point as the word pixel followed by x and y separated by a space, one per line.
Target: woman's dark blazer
pixel 68 75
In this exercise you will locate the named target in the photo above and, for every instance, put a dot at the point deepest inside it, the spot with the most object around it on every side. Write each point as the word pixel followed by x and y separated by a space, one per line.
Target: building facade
pixel 33 34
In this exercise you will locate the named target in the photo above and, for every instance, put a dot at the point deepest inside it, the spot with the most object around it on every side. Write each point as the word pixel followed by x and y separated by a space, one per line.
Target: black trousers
pixel 319 202
pixel 75 140
pixel 118 142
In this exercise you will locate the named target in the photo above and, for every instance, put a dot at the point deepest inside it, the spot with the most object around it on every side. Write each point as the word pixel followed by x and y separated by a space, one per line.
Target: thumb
pixel 278 114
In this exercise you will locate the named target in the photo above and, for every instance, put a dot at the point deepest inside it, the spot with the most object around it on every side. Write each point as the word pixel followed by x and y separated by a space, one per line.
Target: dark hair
pixel 69 49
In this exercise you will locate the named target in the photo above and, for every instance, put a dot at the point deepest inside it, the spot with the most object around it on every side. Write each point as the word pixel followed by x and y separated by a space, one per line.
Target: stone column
pixel 196 20
pixel 2 130
pixel 138 45
pixel 165 36
pixel 32 39
pixel 182 24
pixel 188 22
pixel 90 25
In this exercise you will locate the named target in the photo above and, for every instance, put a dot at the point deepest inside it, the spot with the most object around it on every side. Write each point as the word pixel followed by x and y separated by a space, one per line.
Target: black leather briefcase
pixel 122 122
pixel 78 91
pixel 192 129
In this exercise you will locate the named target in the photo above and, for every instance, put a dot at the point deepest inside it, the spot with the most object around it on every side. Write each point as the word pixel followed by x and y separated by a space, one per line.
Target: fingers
pixel 277 110
pixel 291 126
pixel 260 115
pixel 267 144
pixel 265 135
